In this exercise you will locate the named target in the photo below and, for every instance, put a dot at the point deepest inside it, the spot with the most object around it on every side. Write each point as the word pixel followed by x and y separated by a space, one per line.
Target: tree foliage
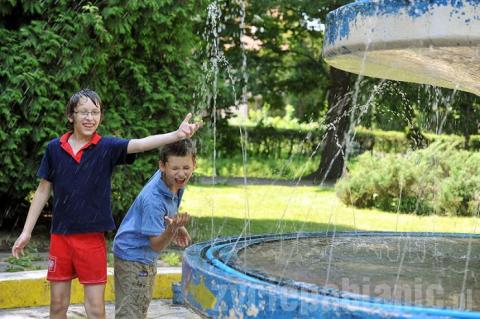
pixel 413 107
pixel 283 45
pixel 287 67
pixel 138 55
pixel 279 47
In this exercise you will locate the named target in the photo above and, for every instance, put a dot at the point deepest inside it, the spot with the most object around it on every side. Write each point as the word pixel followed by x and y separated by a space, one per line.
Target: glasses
pixel 86 113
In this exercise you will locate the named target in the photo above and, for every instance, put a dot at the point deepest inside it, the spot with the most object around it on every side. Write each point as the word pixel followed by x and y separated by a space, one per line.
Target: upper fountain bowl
pixel 434 42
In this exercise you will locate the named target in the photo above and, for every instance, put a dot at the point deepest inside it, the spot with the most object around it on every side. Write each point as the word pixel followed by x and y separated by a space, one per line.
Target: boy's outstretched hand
pixel 187 129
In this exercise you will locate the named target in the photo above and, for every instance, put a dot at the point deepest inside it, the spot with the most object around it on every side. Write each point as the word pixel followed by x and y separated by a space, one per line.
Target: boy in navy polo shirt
pixel 150 225
pixel 78 168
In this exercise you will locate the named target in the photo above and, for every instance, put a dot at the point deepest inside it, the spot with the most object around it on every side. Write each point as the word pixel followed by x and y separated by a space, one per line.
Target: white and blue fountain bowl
pixel 433 42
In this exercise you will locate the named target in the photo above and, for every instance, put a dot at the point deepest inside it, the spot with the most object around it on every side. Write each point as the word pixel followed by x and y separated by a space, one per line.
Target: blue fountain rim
pixel 218 253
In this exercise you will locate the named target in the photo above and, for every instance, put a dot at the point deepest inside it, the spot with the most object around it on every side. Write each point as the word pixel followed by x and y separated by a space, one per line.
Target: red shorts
pixel 78 255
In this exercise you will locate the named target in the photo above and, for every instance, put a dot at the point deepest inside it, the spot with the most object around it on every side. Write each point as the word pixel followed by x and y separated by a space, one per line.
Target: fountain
pixel 435 42
pixel 359 274
pixel 335 275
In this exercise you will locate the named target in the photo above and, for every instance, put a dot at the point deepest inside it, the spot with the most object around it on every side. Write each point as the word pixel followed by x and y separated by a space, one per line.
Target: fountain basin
pixel 219 281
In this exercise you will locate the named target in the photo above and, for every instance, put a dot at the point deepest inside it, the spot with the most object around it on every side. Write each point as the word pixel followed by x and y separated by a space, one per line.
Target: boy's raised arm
pixel 185 130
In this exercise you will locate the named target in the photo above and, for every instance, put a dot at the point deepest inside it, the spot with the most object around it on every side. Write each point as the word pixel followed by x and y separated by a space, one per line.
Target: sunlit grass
pixel 219 211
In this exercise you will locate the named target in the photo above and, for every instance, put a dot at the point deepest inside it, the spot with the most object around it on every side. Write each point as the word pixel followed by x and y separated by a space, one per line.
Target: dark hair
pixel 75 99
pixel 180 148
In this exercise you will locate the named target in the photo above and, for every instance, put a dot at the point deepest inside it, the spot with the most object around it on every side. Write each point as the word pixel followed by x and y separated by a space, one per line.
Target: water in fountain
pixel 426 271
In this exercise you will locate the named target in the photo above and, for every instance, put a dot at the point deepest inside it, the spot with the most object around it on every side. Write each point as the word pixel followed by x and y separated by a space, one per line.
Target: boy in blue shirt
pixel 150 225
pixel 77 167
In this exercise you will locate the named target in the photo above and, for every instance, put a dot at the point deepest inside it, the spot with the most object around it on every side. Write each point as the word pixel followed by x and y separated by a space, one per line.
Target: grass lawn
pixel 219 211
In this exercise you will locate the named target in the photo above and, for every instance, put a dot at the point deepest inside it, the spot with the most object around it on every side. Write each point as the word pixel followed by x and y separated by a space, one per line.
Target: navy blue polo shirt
pixel 82 183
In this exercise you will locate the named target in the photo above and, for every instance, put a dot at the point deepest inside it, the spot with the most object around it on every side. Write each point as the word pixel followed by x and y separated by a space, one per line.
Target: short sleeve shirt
pixel 144 219
pixel 82 190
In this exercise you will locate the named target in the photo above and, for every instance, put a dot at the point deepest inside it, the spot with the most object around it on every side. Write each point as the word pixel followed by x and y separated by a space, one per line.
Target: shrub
pixel 439 179
pixel 258 166
pixel 171 258
pixel 398 142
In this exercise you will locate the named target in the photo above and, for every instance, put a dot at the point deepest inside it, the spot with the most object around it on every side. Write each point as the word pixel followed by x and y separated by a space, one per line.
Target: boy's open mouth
pixel 180 181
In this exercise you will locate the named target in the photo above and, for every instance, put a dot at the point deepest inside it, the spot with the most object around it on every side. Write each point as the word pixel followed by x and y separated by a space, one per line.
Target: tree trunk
pixel 337 121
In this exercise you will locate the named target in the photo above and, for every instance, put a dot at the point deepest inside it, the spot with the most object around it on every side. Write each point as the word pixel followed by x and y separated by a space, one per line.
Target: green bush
pixel 279 137
pixel 397 142
pixel 258 166
pixel 171 258
pixel 381 141
pixel 439 179
pixel 138 55
pixel 271 141
pixel 474 142
pixel 25 262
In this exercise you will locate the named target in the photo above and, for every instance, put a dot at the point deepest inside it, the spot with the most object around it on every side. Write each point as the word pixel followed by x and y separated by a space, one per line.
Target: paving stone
pixel 159 308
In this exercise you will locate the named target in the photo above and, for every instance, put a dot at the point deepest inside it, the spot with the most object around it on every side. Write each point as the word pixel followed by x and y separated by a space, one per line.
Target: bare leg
pixel 59 299
pixel 95 301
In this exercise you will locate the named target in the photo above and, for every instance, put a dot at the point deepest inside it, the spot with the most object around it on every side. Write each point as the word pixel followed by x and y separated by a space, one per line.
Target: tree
pixel 136 54
pixel 337 122
pixel 287 66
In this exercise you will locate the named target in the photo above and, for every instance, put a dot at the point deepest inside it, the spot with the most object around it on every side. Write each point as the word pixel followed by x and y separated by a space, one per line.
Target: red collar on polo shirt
pixel 68 148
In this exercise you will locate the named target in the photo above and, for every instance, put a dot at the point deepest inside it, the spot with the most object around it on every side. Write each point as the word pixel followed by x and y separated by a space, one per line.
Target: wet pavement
pixel 159 308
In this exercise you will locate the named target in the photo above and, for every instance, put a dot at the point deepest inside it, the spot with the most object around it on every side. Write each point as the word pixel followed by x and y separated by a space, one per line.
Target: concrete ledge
pixel 31 288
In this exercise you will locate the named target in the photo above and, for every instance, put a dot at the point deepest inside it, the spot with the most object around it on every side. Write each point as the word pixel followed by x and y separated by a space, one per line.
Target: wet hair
pixel 180 148
pixel 77 97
